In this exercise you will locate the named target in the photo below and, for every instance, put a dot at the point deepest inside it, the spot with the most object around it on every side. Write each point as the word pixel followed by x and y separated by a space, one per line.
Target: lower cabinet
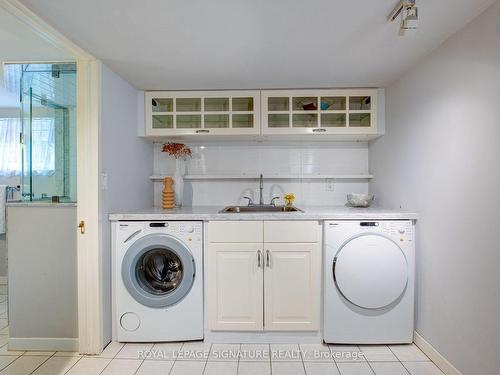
pixel 292 287
pixel 235 287
pixel 271 286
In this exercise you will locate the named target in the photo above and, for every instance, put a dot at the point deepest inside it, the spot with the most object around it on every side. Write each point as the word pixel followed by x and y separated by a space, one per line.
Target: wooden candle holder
pixel 167 198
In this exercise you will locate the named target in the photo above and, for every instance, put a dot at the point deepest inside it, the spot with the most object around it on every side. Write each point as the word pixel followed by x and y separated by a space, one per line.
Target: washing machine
pixel 158 281
pixel 369 271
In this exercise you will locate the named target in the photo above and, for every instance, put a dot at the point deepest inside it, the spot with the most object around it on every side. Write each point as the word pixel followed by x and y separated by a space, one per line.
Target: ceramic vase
pixel 178 182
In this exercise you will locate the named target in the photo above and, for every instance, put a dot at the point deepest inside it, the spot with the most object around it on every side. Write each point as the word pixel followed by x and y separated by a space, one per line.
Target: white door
pixel 90 255
pixel 292 286
pixel 371 271
pixel 235 287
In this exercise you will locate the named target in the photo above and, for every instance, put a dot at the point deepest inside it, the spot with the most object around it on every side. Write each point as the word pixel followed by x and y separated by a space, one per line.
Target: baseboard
pixel 43 344
pixel 435 356
pixel 263 337
pixel 3 280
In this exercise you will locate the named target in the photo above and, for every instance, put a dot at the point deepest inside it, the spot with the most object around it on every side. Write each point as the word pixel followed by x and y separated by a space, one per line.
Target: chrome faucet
pixel 261 195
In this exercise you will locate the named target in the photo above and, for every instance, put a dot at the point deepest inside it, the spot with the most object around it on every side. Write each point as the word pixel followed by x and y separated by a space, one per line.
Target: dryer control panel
pixel 397 230
pixel 402 229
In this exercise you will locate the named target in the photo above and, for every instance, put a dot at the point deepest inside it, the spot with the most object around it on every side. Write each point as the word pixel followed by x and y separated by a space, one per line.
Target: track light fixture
pixel 409 15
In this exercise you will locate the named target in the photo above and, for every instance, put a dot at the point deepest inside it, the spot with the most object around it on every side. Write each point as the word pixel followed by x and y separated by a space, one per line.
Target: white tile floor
pixel 216 359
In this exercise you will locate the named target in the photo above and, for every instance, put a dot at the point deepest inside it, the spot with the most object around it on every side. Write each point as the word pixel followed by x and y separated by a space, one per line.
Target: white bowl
pixel 360 200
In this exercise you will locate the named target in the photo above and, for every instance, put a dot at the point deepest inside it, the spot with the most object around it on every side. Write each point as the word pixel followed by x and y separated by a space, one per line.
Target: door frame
pixel 89 250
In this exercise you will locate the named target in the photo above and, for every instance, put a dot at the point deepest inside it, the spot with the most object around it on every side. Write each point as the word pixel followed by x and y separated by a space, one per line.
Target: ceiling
pixel 199 44
pixel 19 42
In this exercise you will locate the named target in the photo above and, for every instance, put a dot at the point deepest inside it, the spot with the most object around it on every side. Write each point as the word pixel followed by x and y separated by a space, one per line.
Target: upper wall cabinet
pixel 202 113
pixel 339 112
pixel 334 114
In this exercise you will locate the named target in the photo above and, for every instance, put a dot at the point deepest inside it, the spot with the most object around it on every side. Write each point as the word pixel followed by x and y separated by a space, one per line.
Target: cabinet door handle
pixel 259 258
pixel 268 258
pixel 202 131
pixel 319 130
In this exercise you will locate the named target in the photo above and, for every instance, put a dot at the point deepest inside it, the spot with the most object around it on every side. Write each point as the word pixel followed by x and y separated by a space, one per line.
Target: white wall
pixel 127 160
pixel 3 255
pixel 268 159
pixel 440 157
pixel 43 294
pixel 7 112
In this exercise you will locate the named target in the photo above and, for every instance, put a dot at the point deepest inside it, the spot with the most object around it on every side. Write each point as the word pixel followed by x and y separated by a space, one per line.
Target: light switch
pixel 104 181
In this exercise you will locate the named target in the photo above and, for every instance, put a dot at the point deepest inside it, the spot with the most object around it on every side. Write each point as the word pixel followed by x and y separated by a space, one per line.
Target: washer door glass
pixel 370 271
pixel 158 270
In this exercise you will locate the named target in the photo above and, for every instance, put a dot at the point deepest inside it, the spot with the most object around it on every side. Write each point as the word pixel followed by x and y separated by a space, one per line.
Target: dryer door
pixel 370 271
pixel 158 270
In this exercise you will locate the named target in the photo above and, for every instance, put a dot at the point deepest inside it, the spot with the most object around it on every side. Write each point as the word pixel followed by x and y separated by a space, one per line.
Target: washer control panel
pixel 187 231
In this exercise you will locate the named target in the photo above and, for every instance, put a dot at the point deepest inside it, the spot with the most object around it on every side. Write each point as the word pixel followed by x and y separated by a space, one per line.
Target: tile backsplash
pixel 235 158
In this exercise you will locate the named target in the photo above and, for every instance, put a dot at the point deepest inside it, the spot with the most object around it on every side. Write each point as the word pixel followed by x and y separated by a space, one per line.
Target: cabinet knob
pixel 259 258
pixel 268 258
pixel 319 130
pixel 202 131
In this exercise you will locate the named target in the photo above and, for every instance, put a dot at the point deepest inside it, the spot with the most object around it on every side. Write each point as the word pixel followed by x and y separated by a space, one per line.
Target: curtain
pixel 12 78
pixel 10 148
pixel 43 147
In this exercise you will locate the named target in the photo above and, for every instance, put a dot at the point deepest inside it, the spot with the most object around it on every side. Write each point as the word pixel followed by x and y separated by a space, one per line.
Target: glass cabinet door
pixel 202 112
pixel 333 120
pixel 306 103
pixel 242 112
pixel 216 113
pixel 319 111
pixel 359 103
pixel 333 110
pixel 242 104
pixel 216 104
pixel 333 103
pixel 360 111
pixel 302 104
pixel 302 120
pixel 217 121
pixel 162 105
pixel 278 112
pixel 359 120
pixel 163 113
pixel 188 113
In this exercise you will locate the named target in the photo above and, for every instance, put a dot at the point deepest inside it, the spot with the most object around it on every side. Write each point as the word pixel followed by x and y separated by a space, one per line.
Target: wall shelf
pixel 255 176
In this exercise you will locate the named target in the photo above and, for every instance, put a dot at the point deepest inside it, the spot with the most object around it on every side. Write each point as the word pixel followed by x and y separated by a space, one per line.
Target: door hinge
pixel 21 138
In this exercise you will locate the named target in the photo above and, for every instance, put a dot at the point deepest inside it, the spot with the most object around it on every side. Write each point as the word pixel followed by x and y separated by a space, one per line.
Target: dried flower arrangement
pixel 177 150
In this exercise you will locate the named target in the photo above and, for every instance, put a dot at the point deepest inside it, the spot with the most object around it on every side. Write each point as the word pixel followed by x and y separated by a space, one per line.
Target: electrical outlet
pixel 330 184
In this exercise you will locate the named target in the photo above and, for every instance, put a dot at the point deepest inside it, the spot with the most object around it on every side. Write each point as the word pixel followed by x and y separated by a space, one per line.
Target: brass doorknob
pixel 82 227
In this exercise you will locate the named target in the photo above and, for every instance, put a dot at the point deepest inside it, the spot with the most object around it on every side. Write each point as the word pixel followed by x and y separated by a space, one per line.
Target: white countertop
pixel 207 213
pixel 39 204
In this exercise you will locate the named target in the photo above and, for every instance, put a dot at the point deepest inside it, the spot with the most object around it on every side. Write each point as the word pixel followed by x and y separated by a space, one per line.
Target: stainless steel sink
pixel 258 208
